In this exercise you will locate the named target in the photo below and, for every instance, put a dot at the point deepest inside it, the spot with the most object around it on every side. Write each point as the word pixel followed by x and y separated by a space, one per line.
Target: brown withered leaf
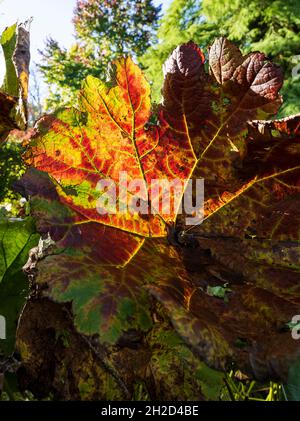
pixel 14 90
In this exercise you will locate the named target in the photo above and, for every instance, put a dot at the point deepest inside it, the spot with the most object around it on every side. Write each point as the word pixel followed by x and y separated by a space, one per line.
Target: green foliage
pixel 182 22
pixel 291 95
pixel 11 169
pixel 219 291
pixel 118 27
pixel 17 237
pixel 292 388
pixel 239 388
pixel 11 392
pixel 104 30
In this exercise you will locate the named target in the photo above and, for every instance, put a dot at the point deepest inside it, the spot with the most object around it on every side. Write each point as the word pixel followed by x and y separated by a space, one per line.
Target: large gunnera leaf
pixel 231 284
pixel 14 90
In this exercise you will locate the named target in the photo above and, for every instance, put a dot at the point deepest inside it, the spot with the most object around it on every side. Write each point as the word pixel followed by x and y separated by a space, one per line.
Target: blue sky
pixel 50 18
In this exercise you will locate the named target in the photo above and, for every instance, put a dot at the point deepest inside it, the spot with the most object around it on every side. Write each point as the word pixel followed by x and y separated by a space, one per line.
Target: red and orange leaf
pixel 107 137
pixel 208 126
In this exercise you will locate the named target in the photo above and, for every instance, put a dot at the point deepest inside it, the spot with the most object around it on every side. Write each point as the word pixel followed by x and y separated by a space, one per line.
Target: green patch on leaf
pixel 219 292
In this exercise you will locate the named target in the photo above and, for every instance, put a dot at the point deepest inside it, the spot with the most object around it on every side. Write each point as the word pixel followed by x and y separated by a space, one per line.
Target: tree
pixel 271 26
pixel 104 30
pixel 183 21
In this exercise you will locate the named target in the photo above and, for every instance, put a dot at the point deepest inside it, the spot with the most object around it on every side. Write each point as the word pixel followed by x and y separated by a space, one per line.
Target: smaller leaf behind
pixel 14 91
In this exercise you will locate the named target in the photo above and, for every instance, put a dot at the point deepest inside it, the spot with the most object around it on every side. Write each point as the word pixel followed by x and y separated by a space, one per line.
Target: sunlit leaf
pixel 209 126
pixel 108 136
